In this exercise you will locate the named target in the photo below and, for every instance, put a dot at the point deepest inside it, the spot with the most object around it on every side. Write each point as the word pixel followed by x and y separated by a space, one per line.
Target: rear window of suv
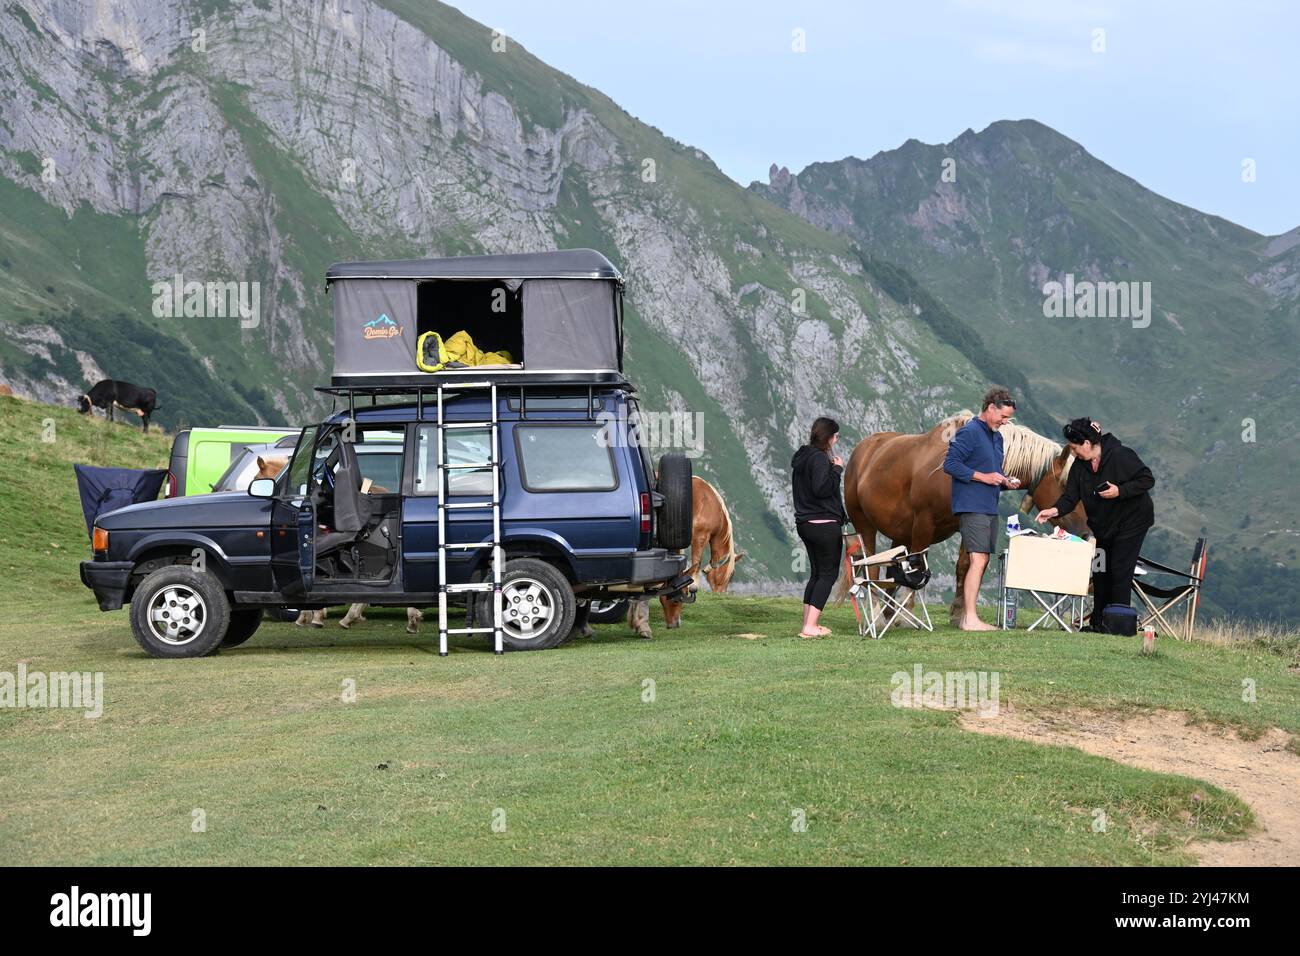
pixel 565 458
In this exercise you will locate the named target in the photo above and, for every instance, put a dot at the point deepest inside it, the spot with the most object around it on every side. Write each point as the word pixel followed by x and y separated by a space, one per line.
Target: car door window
pixel 464 446
pixel 299 470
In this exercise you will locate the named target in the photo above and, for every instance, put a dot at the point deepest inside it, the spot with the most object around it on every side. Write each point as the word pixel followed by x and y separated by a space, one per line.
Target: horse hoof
pixel 345 625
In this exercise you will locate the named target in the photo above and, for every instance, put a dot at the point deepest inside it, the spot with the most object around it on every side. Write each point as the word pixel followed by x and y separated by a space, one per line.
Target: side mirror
pixel 262 488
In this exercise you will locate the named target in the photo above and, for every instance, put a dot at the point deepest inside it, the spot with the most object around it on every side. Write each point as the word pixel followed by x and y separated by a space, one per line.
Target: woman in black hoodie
pixel 818 514
pixel 1113 484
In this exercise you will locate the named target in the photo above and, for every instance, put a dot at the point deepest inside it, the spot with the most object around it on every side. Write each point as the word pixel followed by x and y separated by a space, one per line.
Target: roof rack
pixel 417 385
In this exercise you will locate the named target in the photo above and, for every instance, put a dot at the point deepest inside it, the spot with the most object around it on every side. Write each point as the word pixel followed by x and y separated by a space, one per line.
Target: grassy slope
pixel 742 732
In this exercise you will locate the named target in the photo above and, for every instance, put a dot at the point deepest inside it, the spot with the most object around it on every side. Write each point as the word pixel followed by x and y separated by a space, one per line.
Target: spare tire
pixel 674 525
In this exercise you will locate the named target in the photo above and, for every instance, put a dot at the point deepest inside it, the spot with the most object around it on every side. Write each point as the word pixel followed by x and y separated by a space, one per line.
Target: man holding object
pixel 974 462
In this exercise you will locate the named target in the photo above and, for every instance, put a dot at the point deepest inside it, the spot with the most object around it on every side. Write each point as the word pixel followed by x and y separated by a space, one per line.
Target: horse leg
pixel 353 615
pixel 638 616
pixel 413 619
pixel 957 609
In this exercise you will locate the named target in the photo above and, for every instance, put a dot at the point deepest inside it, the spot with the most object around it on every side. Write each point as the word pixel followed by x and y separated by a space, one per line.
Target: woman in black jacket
pixel 1113 484
pixel 818 514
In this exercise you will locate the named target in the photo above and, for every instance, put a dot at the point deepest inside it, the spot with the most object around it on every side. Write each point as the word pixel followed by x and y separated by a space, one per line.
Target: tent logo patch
pixel 381 328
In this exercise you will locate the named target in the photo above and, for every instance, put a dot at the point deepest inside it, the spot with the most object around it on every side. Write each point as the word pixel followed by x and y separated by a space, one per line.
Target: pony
pixel 710 528
pixel 895 485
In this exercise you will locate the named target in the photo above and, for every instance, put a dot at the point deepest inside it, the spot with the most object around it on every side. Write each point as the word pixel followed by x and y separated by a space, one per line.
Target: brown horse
pixel 895 485
pixel 711 529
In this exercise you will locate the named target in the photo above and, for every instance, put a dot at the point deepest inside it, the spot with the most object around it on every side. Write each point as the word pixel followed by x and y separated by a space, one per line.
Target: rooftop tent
pixel 552 311
pixel 106 489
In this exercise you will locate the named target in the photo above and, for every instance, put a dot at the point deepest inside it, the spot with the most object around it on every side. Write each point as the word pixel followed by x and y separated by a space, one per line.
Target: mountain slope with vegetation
pixel 136 148
pixel 1208 391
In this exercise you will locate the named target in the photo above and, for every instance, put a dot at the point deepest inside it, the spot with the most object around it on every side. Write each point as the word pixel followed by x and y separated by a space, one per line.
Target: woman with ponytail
pixel 818 514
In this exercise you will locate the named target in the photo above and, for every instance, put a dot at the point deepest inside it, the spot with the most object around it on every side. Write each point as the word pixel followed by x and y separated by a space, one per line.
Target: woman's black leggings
pixel 1114 583
pixel 825 545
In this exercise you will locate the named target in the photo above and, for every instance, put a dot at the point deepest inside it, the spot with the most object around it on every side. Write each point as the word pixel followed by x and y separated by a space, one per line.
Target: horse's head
pixel 1048 489
pixel 270 467
pixel 83 404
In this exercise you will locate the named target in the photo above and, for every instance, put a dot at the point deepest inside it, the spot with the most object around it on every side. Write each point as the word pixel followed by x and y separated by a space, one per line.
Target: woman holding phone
pixel 1114 485
pixel 818 514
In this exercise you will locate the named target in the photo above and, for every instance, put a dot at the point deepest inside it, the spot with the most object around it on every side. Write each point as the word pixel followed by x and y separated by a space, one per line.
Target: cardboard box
pixel 1037 563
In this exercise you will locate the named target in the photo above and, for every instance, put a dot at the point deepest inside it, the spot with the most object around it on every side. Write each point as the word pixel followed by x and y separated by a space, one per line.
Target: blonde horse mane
pixel 730 557
pixel 1025 453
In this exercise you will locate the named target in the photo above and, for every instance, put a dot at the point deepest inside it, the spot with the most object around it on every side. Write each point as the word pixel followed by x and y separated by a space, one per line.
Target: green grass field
pixel 748 730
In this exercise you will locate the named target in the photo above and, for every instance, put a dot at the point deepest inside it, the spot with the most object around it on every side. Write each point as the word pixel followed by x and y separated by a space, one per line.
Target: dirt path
pixel 1261 772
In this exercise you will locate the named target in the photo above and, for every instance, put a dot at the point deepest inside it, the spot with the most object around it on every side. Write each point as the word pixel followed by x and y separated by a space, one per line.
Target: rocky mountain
pixel 258 142
pixel 144 139
pixel 1203 378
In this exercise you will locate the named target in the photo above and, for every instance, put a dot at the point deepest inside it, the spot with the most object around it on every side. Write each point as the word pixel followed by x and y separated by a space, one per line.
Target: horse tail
pixel 842 582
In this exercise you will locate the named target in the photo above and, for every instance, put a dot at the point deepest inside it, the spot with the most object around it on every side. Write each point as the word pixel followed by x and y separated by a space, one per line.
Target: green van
pixel 200 456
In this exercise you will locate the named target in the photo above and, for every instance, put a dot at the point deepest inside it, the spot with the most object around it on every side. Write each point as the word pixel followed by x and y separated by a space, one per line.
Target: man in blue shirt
pixel 974 461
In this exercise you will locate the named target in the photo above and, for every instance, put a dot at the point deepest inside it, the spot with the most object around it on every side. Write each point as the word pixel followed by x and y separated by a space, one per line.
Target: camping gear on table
pixel 1119 619
pixel 900 571
pixel 1187 588
pixel 556 312
pixel 1046 566
pixel 433 354
pixel 106 489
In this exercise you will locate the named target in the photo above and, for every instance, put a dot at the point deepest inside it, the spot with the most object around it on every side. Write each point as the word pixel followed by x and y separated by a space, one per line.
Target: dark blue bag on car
pixel 1119 619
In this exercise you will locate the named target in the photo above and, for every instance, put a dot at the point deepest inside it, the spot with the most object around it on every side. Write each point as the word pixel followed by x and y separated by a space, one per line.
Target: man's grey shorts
pixel 979 533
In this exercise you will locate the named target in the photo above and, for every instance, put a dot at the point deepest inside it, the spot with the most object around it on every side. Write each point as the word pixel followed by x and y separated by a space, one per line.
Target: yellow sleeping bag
pixel 433 353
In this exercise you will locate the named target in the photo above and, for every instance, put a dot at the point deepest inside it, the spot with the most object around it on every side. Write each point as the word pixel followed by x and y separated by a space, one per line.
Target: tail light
pixel 99 540
pixel 171 485
pixel 645 512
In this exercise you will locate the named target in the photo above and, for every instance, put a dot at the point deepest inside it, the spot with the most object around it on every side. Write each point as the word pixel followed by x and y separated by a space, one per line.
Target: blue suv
pixel 519 490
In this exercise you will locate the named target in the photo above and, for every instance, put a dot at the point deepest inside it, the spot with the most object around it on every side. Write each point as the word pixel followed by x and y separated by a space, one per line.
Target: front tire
pixel 243 625
pixel 179 612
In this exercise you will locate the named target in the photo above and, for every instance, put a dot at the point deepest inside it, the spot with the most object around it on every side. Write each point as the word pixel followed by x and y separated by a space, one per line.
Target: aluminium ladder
pixel 498 559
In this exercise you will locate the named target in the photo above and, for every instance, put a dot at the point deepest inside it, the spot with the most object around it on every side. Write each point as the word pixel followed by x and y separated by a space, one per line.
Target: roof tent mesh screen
pixel 374 327
pixel 570 324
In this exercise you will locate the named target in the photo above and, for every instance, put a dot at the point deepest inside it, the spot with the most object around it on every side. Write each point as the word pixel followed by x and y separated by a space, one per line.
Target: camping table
pixel 1042 565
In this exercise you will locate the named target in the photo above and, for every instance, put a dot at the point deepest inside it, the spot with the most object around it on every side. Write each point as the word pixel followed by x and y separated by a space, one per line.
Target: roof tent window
pixel 488 309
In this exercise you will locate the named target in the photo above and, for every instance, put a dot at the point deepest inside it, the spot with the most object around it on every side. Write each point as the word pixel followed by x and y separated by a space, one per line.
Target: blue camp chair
pixel 106 489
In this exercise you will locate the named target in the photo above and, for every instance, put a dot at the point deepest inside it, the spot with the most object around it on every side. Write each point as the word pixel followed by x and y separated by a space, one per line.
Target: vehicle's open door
pixel 293 522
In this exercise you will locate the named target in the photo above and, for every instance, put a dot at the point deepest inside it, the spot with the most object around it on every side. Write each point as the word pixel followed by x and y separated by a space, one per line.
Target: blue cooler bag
pixel 1119 619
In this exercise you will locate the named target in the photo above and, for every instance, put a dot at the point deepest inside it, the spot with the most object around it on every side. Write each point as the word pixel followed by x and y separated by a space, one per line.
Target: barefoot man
pixel 974 461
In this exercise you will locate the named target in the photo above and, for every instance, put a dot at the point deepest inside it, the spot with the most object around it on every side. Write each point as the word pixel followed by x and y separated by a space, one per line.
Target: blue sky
pixel 1182 94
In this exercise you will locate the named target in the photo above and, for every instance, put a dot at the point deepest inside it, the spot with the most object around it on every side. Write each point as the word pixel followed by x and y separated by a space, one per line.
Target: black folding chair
pixel 886 597
pixel 1185 590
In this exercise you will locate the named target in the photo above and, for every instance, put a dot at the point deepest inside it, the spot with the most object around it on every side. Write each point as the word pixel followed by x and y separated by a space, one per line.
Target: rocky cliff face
pixel 260 142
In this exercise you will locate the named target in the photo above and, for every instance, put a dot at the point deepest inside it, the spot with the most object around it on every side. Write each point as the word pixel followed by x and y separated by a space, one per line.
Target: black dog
pixel 128 397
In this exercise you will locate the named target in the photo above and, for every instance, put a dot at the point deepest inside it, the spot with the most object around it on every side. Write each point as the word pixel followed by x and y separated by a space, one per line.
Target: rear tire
pixel 179 612
pixel 534 590
pixel 674 525
pixel 243 625
pixel 607 612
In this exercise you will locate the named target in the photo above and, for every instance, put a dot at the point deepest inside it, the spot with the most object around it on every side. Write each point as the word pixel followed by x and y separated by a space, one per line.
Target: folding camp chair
pixel 1187 591
pixel 899 571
